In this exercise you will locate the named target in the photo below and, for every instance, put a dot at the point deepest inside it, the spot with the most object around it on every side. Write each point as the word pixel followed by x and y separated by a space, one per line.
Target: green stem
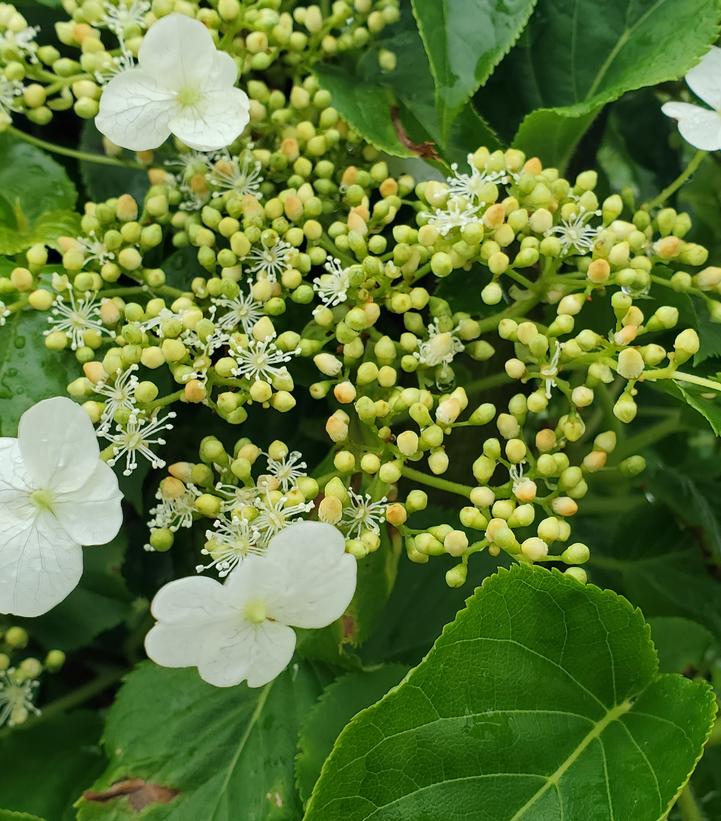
pixel 166 400
pixel 86 156
pixel 696 160
pixel 73 699
pixel 436 482
pixel 485 382
pixel 688 805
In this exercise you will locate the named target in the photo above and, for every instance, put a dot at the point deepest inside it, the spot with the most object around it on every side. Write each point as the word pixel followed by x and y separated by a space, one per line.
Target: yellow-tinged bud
pixel 330 510
pixel 396 514
pixel 345 392
pixel 630 363
pixel 564 506
pixel 534 549
pixel 408 442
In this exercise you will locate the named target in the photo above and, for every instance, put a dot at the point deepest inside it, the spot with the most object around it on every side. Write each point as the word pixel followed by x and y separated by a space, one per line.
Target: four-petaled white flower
pixel 136 438
pixel 698 125
pixel 270 262
pixel 332 288
pixel 242 630
pixel 440 348
pixel 362 514
pixel 183 86
pixel 55 495
pixel 75 319
pixel 576 234
pixel 260 360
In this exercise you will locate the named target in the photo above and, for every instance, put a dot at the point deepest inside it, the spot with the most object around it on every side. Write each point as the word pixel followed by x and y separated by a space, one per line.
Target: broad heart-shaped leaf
pixel 542 700
pixel 29 372
pixel 46 766
pixel 210 753
pixel 465 40
pixel 577 55
pixel 340 701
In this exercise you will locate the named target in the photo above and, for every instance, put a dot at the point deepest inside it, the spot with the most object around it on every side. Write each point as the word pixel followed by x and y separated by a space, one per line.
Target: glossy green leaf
pixel 11 815
pixel 104 181
pixel 29 372
pixel 45 230
pixel 542 700
pixel 705 402
pixel 215 753
pixel 553 135
pixel 340 701
pixel 681 643
pixel 465 40
pixel 46 766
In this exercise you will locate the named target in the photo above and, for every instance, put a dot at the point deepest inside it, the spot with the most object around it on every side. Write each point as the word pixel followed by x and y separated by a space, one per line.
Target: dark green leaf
pixel 465 40
pixel 217 753
pixel 542 700
pixel 104 181
pixel 706 402
pixel 10 815
pixel 340 701
pixel 681 644
pixel 552 134
pixel 46 767
pixel 29 372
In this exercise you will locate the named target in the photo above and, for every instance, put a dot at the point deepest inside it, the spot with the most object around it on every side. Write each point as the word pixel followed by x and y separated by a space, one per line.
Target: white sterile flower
pixel 183 86
pixel 275 514
pixel 575 233
pixel 17 697
pixel 440 348
pixel 471 185
pixel 119 395
pixel 242 630
pixel 238 174
pixel 260 360
pixel 136 438
pixel 241 310
pixel 362 513
pixel 457 214
pixel 288 469
pixel 333 287
pixel 698 125
pixel 228 543
pixel 75 319
pixel 55 495
pixel 270 262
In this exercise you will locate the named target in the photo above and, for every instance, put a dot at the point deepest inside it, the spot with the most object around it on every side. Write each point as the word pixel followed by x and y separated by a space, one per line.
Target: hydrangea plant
pixel 360 404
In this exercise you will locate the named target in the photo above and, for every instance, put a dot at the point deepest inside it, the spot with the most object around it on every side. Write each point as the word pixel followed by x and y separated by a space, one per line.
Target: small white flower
pixel 242 630
pixel 362 514
pixel 241 310
pixel 17 697
pixel 4 313
pixel 234 496
pixel 240 175
pixel 575 233
pixel 440 348
pixel 469 186
pixel 10 92
pixel 270 262
pixel 203 350
pixel 75 319
pixel 550 372
pixel 260 360
pixel 22 41
pixel 55 495
pixel 118 64
pixel 174 512
pixel 228 543
pixel 457 214
pixel 95 250
pixel 183 86
pixel 287 470
pixel 332 288
pixel 275 514
pixel 124 15
pixel 698 125
pixel 137 437
pixel 120 395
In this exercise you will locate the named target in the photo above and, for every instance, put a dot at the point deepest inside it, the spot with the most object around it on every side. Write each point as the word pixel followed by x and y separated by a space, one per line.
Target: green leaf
pixel 100 602
pixel 705 402
pixel 39 193
pixel 340 701
pixel 46 766
pixel 217 753
pixel 29 371
pixel 579 55
pixel 465 40
pixel 366 107
pixel 681 643
pixel 10 815
pixel 542 700
pixel 552 134
pixel 104 181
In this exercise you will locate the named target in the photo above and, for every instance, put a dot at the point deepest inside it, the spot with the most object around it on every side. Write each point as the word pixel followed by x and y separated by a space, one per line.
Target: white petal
pixel 174 645
pixel 58 444
pixel 257 652
pixel 135 110
pixel 39 563
pixel 92 514
pixel 321 575
pixel 193 599
pixel 223 73
pixel 177 51
pixel 698 126
pixel 14 481
pixel 705 78
pixel 214 122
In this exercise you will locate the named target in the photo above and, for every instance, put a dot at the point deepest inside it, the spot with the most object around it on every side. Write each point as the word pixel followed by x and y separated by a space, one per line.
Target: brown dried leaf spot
pixel 140 793
pixel 426 150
